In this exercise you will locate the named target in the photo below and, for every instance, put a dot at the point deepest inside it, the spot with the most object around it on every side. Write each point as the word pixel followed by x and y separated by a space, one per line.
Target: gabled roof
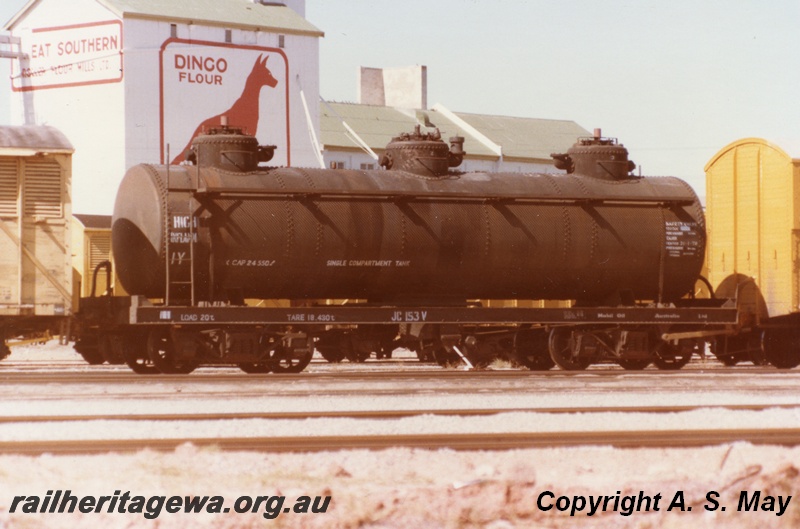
pixel 244 14
pixel 27 140
pixel 485 135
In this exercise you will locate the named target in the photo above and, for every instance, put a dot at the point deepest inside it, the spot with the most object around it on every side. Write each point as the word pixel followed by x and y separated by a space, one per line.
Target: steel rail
pixel 383 414
pixel 470 441
pixel 358 372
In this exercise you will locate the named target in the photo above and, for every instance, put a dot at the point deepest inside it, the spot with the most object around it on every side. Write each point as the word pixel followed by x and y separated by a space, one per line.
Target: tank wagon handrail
pixel 106 265
pixel 708 285
pixel 261 194
pixel 167 274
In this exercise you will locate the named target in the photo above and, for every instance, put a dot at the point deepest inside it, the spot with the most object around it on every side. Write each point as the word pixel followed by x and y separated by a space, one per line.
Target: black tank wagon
pixel 415 243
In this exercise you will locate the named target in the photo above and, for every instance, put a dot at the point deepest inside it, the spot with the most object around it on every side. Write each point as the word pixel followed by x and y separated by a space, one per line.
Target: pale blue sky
pixel 674 81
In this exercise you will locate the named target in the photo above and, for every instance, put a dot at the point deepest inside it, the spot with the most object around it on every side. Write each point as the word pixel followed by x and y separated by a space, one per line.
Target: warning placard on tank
pixel 683 239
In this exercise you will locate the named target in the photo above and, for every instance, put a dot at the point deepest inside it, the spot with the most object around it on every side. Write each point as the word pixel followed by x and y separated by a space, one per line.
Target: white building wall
pixel 142 132
pixel 506 167
pixel 350 159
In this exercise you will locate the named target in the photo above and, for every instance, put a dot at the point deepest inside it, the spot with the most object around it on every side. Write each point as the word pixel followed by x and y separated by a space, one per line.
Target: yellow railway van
pixel 753 251
pixel 35 212
pixel 91 246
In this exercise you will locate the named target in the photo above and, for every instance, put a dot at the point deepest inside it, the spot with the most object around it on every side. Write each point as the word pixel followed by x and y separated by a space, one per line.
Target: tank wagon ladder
pixel 169 258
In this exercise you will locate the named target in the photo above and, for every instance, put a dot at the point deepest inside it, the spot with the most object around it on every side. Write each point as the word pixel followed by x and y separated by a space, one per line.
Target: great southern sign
pixel 75 55
pixel 203 81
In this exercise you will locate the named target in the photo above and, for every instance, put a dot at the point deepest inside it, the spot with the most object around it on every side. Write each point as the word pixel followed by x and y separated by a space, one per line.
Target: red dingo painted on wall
pixel 244 112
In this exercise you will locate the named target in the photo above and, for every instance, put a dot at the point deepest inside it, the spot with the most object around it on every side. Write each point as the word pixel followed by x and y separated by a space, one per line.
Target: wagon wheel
pixel 531 349
pixel 356 354
pixel 330 346
pixel 670 357
pixel 387 347
pixel 266 343
pixel 728 360
pixel 730 350
pixel 782 347
pixel 565 352
pixel 110 346
pixel 161 351
pixel 445 358
pixel 719 350
pixel 331 353
pixel 134 351
pixel 88 348
pixel 282 362
pixel 424 354
pixel 633 365
pixel 255 369
pixel 436 350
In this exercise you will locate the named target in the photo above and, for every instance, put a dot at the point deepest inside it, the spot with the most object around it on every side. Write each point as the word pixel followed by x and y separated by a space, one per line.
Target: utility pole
pixel 11 48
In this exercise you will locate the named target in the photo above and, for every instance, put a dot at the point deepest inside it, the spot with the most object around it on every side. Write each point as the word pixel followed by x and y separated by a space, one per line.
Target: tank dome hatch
pixel 424 154
pixel 229 149
pixel 597 157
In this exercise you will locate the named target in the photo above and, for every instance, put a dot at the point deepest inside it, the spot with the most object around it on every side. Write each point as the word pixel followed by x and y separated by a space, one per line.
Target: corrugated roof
pixel 33 138
pixel 527 138
pixel 243 14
